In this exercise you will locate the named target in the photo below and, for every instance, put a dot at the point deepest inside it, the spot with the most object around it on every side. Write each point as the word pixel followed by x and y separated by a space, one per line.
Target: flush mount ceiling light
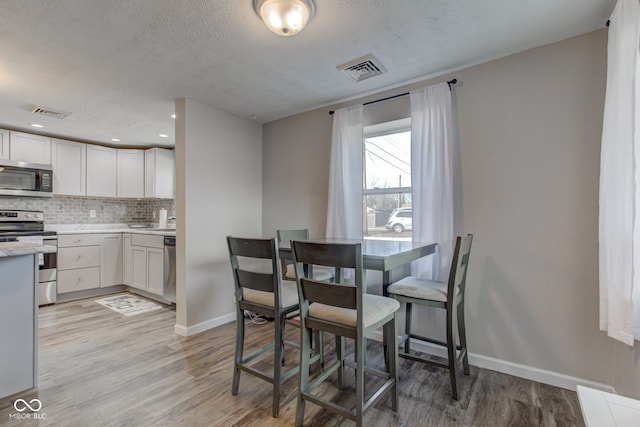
pixel 285 17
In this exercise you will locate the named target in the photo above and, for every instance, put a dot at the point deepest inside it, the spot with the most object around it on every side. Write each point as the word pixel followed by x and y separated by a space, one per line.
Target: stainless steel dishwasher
pixel 170 268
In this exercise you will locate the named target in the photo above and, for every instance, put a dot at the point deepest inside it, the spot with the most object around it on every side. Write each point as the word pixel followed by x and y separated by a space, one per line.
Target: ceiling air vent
pixel 49 112
pixel 362 68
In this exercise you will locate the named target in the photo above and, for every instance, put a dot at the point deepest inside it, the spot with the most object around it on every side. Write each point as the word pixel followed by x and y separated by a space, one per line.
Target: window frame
pixel 372 131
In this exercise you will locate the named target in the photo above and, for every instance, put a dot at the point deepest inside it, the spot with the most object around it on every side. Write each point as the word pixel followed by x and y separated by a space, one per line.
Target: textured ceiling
pixel 118 65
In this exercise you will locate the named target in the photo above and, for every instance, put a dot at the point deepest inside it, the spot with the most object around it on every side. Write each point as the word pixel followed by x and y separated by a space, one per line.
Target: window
pixel 387 180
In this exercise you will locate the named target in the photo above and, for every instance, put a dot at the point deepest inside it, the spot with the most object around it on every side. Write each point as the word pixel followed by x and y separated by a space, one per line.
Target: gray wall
pixel 527 187
pixel 219 193
pixel 75 210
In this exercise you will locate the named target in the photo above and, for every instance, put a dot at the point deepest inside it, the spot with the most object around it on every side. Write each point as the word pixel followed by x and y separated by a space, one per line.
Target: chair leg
pixel 319 344
pixel 462 334
pixel 303 375
pixel 391 338
pixel 277 363
pixel 282 326
pixel 451 352
pixel 407 328
pixel 239 349
pixel 340 356
pixel 361 349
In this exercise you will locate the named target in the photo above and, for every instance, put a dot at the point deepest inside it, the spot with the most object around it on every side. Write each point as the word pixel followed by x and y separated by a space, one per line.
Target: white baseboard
pixel 523 371
pixel 486 362
pixel 187 331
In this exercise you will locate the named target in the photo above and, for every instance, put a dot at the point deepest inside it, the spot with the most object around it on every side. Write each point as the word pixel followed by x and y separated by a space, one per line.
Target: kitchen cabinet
pixel 78 262
pixel 102 170
pixel 25 147
pixel 155 270
pixel 111 260
pixel 127 260
pixel 4 144
pixel 159 166
pixel 147 269
pixel 19 320
pixel 130 173
pixel 69 160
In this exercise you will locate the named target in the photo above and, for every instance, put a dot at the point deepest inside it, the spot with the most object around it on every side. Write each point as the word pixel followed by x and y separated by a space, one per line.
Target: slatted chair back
pixel 288 272
pixel 249 272
pixel 336 255
pixel 289 235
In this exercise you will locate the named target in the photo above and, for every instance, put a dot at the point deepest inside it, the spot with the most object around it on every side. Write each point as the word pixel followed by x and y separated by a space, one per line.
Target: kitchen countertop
pixel 9 249
pixel 108 228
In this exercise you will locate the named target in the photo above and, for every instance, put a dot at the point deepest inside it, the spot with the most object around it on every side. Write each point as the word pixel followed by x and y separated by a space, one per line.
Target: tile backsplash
pixel 75 210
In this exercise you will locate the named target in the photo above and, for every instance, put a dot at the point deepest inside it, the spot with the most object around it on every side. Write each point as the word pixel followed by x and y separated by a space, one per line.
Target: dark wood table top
pixel 377 254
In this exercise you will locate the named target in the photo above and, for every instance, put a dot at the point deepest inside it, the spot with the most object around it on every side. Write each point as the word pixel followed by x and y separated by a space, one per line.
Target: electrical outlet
pixel 92 213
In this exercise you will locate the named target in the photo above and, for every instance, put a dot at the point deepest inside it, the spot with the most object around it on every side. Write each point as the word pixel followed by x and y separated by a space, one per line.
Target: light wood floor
pixel 99 368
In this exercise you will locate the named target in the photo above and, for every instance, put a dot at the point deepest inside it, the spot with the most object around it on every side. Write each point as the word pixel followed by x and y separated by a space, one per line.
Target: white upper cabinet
pixel 131 173
pixel 25 147
pixel 4 144
pixel 69 161
pixel 101 171
pixel 159 173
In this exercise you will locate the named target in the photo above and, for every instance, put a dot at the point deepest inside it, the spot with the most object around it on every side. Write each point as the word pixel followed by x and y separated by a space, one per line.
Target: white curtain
pixel 432 197
pixel 344 212
pixel 620 179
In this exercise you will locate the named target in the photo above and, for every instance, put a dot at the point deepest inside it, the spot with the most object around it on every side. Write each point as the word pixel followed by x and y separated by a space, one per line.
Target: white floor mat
pixel 128 305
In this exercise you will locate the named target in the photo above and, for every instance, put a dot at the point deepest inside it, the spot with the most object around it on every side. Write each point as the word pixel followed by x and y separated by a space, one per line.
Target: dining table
pixel 378 254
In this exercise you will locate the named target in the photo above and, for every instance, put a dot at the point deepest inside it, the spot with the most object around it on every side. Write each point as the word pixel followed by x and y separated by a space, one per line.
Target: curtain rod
pixel 449 82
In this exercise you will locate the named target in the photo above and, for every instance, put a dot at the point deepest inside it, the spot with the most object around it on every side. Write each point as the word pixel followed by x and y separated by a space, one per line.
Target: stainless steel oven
pixel 28 226
pixel 25 179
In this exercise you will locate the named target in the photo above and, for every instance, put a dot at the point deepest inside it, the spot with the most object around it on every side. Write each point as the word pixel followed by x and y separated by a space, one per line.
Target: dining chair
pixel 445 295
pixel 259 288
pixel 345 310
pixel 319 273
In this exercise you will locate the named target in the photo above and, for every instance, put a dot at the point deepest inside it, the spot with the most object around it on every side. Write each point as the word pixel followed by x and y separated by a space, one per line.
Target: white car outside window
pixel 400 220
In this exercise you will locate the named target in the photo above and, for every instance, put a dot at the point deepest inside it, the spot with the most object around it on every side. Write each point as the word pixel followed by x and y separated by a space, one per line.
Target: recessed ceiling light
pixel 162 135
pixel 37 125
pixel 173 116
pixel 115 140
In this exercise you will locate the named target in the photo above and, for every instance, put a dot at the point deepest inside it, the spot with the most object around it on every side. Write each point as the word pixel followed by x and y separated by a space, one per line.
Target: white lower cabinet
pixel 78 262
pixel 110 260
pixel 127 260
pixel 88 261
pixel 155 270
pixel 147 258
pixel 139 267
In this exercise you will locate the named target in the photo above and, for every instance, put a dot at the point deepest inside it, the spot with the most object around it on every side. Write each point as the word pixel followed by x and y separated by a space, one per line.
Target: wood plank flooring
pixel 100 368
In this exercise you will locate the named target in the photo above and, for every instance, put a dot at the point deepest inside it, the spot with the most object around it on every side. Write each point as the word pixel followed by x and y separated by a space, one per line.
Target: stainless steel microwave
pixel 25 179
